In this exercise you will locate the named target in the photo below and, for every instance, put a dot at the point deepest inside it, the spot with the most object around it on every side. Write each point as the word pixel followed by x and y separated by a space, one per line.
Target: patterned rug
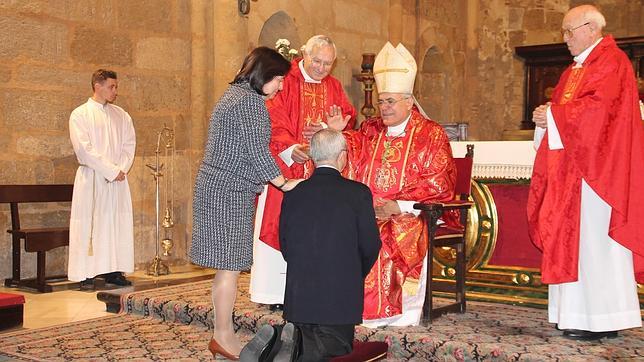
pixel 172 323
pixel 121 337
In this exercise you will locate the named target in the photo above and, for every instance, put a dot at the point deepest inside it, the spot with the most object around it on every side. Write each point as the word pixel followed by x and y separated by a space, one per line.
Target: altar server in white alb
pixel 101 224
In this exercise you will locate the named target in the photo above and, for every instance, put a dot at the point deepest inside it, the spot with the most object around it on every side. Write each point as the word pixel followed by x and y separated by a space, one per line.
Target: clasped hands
pixel 334 120
pixel 539 115
pixel 120 176
pixel 386 208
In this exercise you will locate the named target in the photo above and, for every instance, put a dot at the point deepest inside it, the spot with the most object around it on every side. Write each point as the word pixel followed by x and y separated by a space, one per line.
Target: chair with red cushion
pixel 445 236
pixel 364 352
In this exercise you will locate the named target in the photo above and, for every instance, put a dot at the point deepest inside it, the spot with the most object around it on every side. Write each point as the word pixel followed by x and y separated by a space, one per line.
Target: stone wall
pixel 48 51
pixel 175 58
pixel 465 51
pixel 298 21
pixel 495 76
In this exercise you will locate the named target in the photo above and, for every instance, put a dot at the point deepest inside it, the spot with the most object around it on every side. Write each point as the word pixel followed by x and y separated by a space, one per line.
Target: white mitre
pixel 395 70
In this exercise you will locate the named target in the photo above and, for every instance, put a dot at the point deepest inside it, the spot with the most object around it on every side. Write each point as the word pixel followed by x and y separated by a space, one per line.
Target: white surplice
pixel 268 273
pixel 104 142
pixel 604 298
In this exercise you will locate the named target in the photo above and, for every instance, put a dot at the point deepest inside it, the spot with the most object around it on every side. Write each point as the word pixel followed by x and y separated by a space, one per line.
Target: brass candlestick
pixel 157 266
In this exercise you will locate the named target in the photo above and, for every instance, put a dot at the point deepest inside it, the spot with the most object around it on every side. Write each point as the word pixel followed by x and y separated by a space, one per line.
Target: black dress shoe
pixel 290 339
pixel 581 335
pixel 87 284
pixel 260 346
pixel 276 307
pixel 117 278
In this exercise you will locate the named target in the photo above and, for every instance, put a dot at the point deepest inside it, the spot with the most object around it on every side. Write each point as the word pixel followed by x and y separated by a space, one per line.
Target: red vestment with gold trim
pixel 596 111
pixel 416 166
pixel 298 104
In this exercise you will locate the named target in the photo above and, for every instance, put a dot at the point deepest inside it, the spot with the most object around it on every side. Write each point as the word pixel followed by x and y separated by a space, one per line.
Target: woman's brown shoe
pixel 216 349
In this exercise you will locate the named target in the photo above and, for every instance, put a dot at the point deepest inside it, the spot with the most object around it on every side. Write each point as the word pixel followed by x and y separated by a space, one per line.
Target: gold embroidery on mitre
pixel 391 70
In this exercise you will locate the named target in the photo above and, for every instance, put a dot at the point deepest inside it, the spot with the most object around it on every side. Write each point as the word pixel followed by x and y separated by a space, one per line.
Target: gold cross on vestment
pixel 314 96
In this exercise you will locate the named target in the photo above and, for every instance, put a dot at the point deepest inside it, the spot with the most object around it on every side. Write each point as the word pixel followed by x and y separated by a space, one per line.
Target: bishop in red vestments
pixel 404 158
pixel 412 164
pixel 585 205
pixel 308 96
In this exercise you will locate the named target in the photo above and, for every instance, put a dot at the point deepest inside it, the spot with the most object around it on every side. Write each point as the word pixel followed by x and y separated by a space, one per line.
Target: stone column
pixel 472 24
pixel 395 21
pixel 201 82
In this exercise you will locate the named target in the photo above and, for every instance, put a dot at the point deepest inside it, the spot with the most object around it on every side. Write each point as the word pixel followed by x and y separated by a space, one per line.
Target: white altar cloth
pixel 499 159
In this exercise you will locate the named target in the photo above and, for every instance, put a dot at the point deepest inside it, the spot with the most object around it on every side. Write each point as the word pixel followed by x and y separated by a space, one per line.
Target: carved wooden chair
pixel 445 236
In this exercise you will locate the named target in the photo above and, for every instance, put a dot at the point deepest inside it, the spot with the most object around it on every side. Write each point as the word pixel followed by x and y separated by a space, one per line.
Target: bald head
pixel 582 27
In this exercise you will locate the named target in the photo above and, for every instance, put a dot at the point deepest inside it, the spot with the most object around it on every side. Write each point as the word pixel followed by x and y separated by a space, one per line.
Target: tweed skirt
pixel 222 225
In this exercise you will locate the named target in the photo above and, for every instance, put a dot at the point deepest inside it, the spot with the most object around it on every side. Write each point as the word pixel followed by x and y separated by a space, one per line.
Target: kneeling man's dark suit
pixel 330 241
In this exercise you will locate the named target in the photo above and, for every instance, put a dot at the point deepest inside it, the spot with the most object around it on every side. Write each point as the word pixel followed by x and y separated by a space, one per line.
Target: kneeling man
pixel 330 241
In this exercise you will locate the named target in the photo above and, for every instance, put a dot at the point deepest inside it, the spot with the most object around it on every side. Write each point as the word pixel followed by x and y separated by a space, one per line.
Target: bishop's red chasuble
pixel 595 108
pixel 297 105
pixel 414 166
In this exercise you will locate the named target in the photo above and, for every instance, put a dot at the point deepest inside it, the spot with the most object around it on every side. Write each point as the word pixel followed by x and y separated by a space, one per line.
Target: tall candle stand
pixel 157 267
pixel 367 79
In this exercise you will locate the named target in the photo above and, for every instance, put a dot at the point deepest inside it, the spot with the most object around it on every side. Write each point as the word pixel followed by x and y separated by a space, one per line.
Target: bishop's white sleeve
pixel 86 153
pixel 129 145
pixel 408 206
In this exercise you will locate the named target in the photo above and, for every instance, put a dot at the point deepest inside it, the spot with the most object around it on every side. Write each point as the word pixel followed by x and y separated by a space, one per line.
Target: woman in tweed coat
pixel 236 165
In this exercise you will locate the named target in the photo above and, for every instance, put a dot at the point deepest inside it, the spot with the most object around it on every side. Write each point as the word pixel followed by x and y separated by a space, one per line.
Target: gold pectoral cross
pixel 391 152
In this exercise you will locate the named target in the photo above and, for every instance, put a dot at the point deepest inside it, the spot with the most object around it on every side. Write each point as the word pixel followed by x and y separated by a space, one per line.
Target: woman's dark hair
pixel 260 66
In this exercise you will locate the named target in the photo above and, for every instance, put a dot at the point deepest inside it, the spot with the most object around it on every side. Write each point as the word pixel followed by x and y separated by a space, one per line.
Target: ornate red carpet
pixel 172 323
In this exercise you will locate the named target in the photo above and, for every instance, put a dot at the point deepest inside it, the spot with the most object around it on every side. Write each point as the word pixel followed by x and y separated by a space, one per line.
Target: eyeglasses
pixel 569 32
pixel 389 101
pixel 319 62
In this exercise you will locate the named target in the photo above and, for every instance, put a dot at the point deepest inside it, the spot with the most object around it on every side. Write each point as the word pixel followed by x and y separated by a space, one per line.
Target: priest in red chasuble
pixel 585 205
pixel 303 107
pixel 404 158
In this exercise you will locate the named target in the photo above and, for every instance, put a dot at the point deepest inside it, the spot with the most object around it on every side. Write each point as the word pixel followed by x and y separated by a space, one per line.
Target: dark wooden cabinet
pixel 545 63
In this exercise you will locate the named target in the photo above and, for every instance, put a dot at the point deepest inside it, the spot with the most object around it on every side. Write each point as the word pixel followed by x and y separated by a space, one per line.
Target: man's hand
pixel 539 115
pixel 334 118
pixel 310 130
pixel 120 176
pixel 386 208
pixel 300 153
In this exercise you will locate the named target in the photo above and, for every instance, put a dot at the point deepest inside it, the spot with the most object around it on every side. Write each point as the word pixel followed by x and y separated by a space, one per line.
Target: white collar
pixel 581 58
pixel 307 78
pixel 398 130
pixel 327 166
pixel 97 104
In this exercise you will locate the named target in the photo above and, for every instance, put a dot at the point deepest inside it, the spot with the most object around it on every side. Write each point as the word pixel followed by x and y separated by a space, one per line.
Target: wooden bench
pixel 38 240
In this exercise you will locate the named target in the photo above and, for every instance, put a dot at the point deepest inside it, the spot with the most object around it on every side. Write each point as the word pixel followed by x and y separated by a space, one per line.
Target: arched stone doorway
pixel 279 26
pixel 434 84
